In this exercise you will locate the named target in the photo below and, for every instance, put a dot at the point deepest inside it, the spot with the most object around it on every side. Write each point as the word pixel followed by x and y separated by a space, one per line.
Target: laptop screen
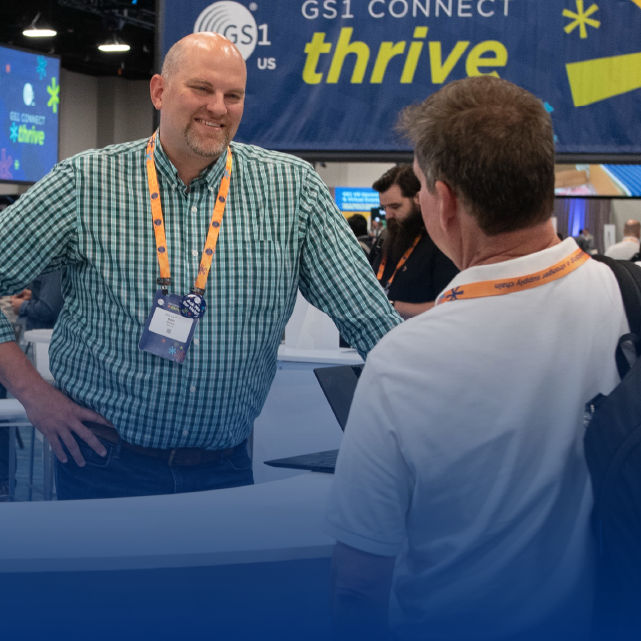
pixel 338 384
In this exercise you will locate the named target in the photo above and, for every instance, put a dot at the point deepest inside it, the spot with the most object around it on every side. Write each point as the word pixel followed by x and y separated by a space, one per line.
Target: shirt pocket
pixel 266 278
pixel 258 268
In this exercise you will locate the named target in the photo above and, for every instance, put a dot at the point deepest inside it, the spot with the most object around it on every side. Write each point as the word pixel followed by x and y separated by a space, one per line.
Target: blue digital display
pixel 29 114
pixel 356 199
pixel 627 178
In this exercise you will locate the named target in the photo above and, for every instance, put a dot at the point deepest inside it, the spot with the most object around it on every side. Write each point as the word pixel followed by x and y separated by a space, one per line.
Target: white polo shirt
pixel 463 452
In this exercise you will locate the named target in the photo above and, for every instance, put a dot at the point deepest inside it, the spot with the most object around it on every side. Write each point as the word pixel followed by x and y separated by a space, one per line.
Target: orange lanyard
pixel 401 262
pixel 159 223
pixel 509 285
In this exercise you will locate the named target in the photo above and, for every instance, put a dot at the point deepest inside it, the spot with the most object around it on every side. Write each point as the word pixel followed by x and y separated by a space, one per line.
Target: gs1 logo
pixel 232 20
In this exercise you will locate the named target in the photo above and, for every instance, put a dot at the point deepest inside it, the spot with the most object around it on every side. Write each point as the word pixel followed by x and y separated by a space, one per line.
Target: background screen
pixel 613 180
pixel 29 110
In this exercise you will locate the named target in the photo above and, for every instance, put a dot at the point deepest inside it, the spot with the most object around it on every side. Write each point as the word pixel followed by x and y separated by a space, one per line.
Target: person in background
pixel 39 306
pixel 183 255
pixel 358 224
pixel 407 263
pixel 376 226
pixel 629 246
pixel 461 499
pixel 585 240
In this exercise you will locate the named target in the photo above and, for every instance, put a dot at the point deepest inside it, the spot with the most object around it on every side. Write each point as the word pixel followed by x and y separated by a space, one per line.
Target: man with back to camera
pixel 147 399
pixel 410 267
pixel 629 245
pixel 461 492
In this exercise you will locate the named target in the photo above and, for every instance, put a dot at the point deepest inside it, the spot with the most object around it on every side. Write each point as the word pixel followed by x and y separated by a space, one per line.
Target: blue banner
pixel 332 75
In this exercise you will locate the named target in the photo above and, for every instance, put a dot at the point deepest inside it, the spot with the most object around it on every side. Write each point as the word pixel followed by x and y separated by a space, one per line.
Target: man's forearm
pixel 360 594
pixel 17 373
pixel 48 409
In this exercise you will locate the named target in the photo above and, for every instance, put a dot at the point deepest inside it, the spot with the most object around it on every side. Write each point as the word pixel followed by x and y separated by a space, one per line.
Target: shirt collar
pixel 211 175
pixel 516 266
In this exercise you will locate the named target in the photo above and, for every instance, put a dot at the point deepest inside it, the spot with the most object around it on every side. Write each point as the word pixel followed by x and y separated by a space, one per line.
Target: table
pixel 232 563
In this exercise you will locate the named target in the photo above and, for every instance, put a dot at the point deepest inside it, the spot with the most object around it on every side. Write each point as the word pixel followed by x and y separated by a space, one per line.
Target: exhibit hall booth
pixel 249 562
pixel 242 562
pixel 325 81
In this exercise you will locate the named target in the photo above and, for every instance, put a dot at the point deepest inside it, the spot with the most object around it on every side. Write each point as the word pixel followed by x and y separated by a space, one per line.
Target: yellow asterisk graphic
pixel 581 18
pixel 53 90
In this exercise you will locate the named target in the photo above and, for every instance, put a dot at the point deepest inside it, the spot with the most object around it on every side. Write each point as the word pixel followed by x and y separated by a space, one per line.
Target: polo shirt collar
pixel 516 266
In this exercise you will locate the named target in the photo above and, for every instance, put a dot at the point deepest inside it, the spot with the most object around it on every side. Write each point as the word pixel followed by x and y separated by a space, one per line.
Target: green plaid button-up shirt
pixel 280 231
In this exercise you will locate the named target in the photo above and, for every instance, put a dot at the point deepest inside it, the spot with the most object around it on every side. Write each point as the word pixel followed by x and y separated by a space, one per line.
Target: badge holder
pixel 167 332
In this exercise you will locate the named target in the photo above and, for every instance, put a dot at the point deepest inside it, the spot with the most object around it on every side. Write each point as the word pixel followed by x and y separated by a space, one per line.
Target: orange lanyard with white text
pixel 401 262
pixel 509 285
pixel 159 223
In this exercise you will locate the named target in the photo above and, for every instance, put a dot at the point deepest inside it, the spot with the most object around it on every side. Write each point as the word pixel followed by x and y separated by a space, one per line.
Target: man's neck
pixel 188 166
pixel 485 250
pixel 188 170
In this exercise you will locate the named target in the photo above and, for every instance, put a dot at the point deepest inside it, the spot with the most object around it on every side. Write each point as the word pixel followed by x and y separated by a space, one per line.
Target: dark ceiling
pixel 81 27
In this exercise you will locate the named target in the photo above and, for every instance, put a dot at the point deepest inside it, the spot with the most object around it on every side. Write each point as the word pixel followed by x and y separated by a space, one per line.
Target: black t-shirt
pixel 425 274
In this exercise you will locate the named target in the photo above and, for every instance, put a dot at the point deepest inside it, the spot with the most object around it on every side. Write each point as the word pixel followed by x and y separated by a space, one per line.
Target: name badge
pixel 167 333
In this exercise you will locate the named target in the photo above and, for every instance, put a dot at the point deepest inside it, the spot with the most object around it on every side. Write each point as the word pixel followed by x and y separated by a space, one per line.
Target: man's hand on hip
pixel 48 409
pixel 59 418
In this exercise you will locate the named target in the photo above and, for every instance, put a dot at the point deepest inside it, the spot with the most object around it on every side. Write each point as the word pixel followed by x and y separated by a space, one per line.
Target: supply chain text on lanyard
pixel 519 283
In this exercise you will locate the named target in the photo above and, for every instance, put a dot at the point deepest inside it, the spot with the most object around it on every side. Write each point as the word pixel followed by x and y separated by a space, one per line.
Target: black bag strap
pixel 628 276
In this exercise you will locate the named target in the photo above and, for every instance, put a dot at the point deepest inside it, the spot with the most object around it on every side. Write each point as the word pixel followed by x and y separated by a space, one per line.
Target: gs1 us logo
pixel 234 21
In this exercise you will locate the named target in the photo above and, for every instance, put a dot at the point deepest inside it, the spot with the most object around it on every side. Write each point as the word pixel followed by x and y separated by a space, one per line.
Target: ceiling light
pixel 39 31
pixel 114 45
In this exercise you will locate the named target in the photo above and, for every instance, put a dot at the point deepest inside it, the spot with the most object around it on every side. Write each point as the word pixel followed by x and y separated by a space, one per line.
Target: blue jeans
pixel 125 473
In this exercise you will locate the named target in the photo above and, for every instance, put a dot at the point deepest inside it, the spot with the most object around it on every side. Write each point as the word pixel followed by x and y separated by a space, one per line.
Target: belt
pixel 179 456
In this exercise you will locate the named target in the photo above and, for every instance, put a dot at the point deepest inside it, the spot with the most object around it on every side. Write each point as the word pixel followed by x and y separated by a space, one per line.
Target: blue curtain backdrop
pixel 574 214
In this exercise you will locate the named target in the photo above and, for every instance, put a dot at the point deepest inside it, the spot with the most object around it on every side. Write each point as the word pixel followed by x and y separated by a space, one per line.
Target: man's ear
pixel 156 88
pixel 447 205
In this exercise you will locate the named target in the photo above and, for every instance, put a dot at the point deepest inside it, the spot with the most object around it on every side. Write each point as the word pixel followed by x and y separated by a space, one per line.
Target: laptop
pixel 338 384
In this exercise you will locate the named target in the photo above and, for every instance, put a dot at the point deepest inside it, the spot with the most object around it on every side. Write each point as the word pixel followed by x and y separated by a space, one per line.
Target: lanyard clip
pixel 164 284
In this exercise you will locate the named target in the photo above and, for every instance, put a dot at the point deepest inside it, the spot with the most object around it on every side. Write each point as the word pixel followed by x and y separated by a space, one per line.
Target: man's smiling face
pixel 201 102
